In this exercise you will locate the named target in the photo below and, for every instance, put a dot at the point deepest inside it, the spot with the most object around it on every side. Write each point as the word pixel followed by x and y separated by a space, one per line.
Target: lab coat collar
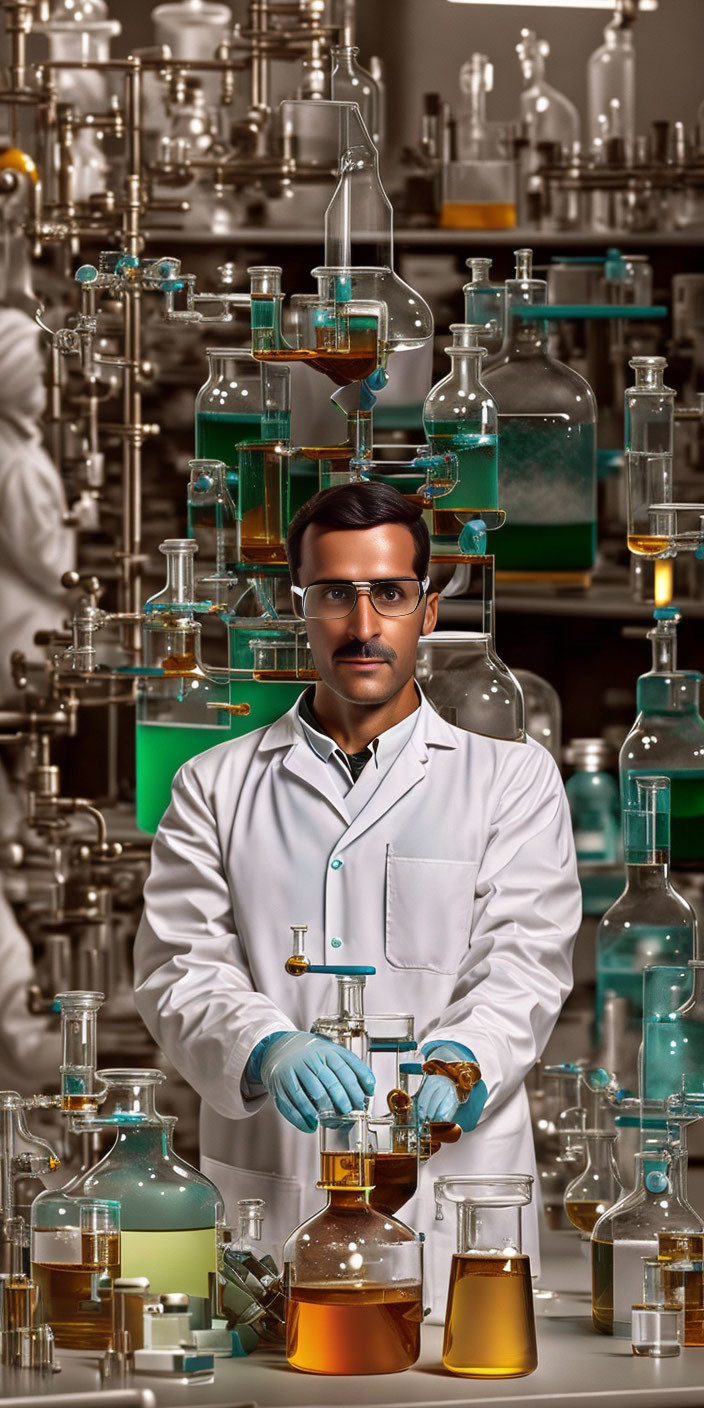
pixel 408 769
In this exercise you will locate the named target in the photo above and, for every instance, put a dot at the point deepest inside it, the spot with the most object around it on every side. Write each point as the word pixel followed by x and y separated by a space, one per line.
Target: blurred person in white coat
pixel 442 858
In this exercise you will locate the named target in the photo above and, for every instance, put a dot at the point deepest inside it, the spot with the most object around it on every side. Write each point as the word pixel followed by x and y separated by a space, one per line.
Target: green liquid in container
pixel 547 488
pixel 620 968
pixel 686 811
pixel 477 456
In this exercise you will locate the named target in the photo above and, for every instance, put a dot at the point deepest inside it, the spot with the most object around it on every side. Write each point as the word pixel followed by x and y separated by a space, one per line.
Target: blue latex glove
pixel 305 1073
pixel 437 1097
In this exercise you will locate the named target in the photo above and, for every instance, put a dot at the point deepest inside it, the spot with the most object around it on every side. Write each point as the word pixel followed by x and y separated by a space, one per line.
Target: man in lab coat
pixel 442 858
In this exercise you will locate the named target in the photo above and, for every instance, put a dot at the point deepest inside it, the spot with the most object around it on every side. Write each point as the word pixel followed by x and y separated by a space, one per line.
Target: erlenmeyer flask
pixel 489 1323
pixel 598 1186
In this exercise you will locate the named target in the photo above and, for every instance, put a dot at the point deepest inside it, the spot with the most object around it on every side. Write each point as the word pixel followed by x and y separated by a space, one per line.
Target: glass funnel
pixel 469 685
pixel 489 1322
pixel 353 1276
pixel 650 923
pixel 629 1231
pixel 598 1185
pixel 460 417
pixel 547 444
pixel 667 739
pixel 168 1211
pixel 484 304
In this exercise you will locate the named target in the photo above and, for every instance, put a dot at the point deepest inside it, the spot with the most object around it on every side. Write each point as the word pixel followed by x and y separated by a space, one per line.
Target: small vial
pixel 657 1330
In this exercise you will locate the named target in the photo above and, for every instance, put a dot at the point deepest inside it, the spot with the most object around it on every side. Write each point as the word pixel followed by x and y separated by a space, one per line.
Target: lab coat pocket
pixel 429 907
pixel 282 1198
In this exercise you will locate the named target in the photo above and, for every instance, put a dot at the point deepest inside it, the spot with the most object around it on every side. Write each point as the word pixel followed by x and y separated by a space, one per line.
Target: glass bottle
pixel 547 445
pixel 469 685
pixel 489 1322
pixel 611 85
pixel 174 721
pixel 546 115
pixel 76 1255
pixel 241 400
pixel 353 1276
pixel 594 800
pixel 169 1212
pixel 459 417
pixel 598 1186
pixel 351 83
pixel 650 923
pixel 672 1058
pixel 667 739
pixel 484 304
pixel 543 712
pixel 629 1231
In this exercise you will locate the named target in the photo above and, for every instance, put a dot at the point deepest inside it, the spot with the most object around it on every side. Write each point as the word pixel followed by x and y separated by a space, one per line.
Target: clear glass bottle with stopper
pixel 667 739
pixel 611 83
pixel 650 923
pixel 546 114
pixel 459 416
pixel 484 304
pixel 353 1276
pixel 547 444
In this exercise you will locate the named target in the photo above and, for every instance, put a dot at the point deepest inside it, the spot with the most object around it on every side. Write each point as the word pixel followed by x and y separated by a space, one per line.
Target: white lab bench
pixel 576 1367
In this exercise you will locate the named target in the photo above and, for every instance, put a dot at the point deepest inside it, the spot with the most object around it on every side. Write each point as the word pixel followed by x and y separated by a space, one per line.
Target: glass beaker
pixel 485 304
pixel 470 686
pixel 650 923
pixel 489 1322
pixel 168 1211
pixel 667 739
pixel 353 1276
pixel 598 1186
pixel 658 1320
pixel 75 1257
pixel 460 417
pixel 629 1231
pixel 547 444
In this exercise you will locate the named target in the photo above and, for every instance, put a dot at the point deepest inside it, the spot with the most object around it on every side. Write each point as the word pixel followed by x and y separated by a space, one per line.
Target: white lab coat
pixel 458 883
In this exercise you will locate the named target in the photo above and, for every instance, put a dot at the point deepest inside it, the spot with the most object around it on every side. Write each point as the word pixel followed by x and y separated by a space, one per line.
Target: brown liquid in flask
pixel 79 1312
pixel 350 1329
pixel 584 1214
pixel 395 1181
pixel 490 1326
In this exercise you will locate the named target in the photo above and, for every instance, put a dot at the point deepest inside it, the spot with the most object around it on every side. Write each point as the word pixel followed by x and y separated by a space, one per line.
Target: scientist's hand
pixel 437 1099
pixel 305 1073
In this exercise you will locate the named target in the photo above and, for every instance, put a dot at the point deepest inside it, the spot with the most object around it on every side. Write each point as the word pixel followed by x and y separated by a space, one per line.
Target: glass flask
pixel 469 685
pixel 484 304
pixel 611 85
pixel 594 800
pixel 76 1255
pixel 649 430
pixel 489 1322
pixel 242 400
pixel 547 445
pixel 169 1212
pixel 672 1059
pixel 629 1231
pixel 353 1276
pixel 546 115
pixel 350 83
pixel 174 720
pixel 598 1186
pixel 459 417
pixel 667 739
pixel 543 712
pixel 650 923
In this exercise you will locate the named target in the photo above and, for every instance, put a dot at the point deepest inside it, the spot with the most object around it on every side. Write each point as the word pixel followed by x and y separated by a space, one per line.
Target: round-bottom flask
pixel 353 1276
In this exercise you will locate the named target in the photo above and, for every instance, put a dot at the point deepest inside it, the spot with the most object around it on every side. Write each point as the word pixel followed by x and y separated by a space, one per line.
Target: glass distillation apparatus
pixel 547 445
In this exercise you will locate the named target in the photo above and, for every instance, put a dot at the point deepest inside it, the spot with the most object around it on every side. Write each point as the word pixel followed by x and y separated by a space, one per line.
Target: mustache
pixel 365 650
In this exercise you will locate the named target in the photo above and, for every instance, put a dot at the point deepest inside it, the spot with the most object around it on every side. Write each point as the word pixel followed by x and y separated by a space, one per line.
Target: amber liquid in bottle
pixel 603 1287
pixel 79 1313
pixel 687 1246
pixel 489 1325
pixel 395 1181
pixel 346 1171
pixel 584 1213
pixel 352 363
pixel 353 1329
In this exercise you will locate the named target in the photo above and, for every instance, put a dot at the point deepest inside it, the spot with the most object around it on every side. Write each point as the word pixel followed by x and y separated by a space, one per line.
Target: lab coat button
pixel 336 943
pixel 335 864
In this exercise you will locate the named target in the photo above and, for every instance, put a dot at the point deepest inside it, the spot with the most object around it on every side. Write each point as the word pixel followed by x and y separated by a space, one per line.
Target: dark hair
pixel 358 505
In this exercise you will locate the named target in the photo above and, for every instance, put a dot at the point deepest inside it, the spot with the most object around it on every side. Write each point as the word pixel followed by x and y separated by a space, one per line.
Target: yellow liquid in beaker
pixel 490 1325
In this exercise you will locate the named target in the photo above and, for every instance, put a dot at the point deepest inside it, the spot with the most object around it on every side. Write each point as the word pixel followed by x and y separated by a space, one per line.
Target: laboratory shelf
pixel 440 239
pixel 576 1367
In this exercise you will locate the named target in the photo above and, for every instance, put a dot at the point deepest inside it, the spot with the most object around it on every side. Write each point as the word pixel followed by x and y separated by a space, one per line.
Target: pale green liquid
pixel 176 1262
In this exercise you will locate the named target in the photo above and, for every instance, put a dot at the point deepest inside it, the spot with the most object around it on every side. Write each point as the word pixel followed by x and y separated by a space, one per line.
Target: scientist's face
pixel 365 657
